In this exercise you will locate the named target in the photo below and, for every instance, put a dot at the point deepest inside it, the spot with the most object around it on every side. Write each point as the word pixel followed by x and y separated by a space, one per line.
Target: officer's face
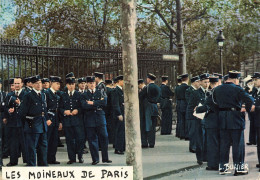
pixel 46 85
pixel 37 85
pixel 121 83
pixel 82 85
pixel 55 86
pixel 196 84
pixel 12 88
pixel 257 83
pixel 254 80
pixel 0 86
pixel 220 82
pixel 71 86
pixel 18 84
pixel 97 79
pixel 29 84
pixel 91 85
pixel 205 83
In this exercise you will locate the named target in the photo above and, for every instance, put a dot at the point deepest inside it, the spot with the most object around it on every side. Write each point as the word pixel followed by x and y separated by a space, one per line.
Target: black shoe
pixel 146 146
pixel 212 168
pixel 5 156
pixel 119 152
pixel 95 162
pixel 54 162
pixel 200 162
pixel 258 165
pixel 107 161
pixel 70 162
pixel 81 160
pixel 240 173
pixel 85 151
pixel 192 151
pixel 11 164
pixel 151 146
pixel 60 145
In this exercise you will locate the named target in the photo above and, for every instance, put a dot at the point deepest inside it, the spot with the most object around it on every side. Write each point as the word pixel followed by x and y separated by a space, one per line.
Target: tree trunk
pixel 181 47
pixel 130 72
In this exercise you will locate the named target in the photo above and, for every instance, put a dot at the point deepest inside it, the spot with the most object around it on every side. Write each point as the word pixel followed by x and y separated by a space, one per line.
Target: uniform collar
pixel 72 92
pixel 52 90
pixel 19 92
pixel 204 90
pixel 120 87
pixel 94 90
pixel 37 92
pixel 80 90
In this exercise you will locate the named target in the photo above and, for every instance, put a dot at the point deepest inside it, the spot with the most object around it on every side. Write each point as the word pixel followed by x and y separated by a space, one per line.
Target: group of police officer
pixel 211 115
pixel 36 109
pixel 32 116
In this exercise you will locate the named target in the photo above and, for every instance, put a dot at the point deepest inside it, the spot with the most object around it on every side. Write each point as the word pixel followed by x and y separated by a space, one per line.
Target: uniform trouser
pixel 258 143
pixel 166 125
pixel 200 141
pixel 16 141
pixel 182 124
pixel 75 140
pixel 36 141
pixel 178 122
pixel 120 135
pixel 5 141
pixel 143 132
pixel 52 136
pixel 252 130
pixel 192 135
pixel 93 134
pixel 236 136
pixel 149 136
pixel 213 147
pixel 110 129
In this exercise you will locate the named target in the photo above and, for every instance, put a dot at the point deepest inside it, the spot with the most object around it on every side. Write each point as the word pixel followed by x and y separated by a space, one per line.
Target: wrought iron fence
pixel 21 58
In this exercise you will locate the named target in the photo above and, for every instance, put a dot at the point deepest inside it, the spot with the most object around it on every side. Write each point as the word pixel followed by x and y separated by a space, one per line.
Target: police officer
pixel 252 130
pixel 14 123
pixel 152 94
pixel 53 101
pixel 118 110
pixel 108 111
pixel 27 84
pixel 45 84
pixel 6 150
pixel 166 107
pixel 93 102
pixel 34 109
pixel 82 85
pixel 197 97
pixel 190 119
pixel 99 81
pixel 70 108
pixel 212 126
pixel 180 90
pixel 229 98
pixel 257 114
pixel 177 98
pixel 2 108
pixel 141 86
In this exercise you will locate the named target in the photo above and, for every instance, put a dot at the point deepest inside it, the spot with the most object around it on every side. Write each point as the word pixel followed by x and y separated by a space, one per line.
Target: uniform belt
pixel 32 117
pixel 229 109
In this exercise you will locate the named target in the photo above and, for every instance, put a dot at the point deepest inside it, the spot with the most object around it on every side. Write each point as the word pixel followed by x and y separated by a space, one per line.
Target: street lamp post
pixel 220 40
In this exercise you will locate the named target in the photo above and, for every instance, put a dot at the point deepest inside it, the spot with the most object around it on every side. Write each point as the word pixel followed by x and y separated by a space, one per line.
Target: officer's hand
pixel 90 102
pixel 48 122
pixel 67 112
pixel 195 108
pixel 243 109
pixel 60 127
pixel 11 110
pixel 17 101
pixel 74 112
pixel 253 108
pixel 4 120
pixel 120 118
